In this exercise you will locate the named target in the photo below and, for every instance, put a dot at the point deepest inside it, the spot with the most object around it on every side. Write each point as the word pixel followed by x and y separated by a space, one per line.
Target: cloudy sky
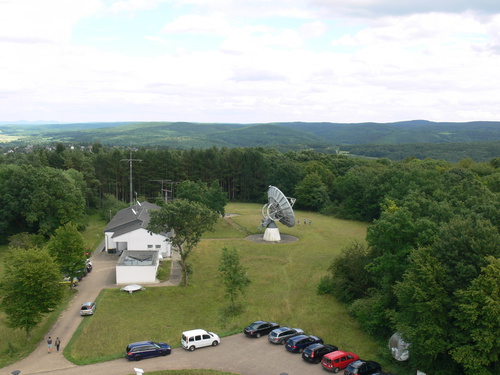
pixel 249 61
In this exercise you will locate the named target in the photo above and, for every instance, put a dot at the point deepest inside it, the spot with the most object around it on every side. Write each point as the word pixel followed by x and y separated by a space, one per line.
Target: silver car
pixel 280 335
pixel 88 308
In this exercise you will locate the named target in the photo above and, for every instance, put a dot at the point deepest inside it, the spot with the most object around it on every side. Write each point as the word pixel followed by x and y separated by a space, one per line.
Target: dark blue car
pixel 146 349
pixel 297 344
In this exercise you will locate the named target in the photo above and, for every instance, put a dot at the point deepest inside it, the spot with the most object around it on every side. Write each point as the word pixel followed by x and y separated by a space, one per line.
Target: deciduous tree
pixel 29 287
pixel 233 275
pixel 68 249
pixel 189 220
pixel 477 314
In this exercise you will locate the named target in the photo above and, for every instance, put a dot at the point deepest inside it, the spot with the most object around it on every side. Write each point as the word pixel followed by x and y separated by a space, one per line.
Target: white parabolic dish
pixel 279 207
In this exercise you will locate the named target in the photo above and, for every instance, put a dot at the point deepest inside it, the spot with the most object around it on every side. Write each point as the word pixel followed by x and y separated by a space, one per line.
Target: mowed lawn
pixel 284 279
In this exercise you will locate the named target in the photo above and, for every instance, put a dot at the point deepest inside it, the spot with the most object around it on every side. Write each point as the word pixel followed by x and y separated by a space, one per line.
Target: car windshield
pixel 254 325
pixel 273 334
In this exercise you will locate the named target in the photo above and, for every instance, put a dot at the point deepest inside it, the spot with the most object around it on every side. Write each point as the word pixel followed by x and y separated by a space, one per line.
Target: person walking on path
pixel 58 343
pixel 49 345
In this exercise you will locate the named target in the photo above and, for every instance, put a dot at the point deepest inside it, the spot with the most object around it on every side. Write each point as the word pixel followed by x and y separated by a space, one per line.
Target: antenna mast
pixel 130 161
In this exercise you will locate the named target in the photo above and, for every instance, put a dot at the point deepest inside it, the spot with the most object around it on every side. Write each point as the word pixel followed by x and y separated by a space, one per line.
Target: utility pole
pixel 131 161
pixel 166 191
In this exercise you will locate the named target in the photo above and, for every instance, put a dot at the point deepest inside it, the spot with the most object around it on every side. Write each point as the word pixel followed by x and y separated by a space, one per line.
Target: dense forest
pixel 430 267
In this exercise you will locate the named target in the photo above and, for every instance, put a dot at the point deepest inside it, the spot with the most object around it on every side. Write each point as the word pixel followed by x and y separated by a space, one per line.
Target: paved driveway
pixel 237 353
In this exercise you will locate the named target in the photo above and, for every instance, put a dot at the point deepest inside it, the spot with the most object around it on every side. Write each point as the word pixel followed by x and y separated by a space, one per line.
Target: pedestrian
pixel 49 345
pixel 58 343
pixel 304 221
pixel 310 222
pixel 298 222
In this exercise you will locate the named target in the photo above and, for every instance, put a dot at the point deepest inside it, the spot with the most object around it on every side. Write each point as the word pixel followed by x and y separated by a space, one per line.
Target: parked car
pixel 146 349
pixel 297 344
pixel 198 338
pixel 361 367
pixel 88 308
pixel 259 328
pixel 68 280
pixel 282 334
pixel 338 360
pixel 314 353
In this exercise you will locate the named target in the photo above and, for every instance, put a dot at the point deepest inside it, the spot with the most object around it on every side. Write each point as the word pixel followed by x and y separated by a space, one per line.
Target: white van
pixel 198 338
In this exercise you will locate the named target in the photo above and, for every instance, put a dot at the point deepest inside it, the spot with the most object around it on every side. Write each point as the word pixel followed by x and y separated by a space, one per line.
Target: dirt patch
pixel 259 238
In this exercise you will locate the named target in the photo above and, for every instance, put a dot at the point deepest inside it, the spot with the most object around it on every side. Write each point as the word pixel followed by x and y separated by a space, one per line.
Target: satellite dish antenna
pixel 277 208
pixel 399 348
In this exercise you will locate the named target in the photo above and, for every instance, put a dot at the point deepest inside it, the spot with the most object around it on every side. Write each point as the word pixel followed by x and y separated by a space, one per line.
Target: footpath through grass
pixel 14 344
pixel 283 289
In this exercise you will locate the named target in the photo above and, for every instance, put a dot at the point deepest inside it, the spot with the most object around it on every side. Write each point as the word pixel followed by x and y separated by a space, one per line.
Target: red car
pixel 338 360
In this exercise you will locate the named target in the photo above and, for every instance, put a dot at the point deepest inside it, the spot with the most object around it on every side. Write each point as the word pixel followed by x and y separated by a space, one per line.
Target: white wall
pixel 135 274
pixel 139 239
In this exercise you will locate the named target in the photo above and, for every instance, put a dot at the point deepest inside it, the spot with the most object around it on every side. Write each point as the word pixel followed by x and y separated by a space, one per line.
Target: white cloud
pixel 197 24
pixel 131 6
pixel 48 21
pixel 401 65
pixel 313 29
pixel 377 8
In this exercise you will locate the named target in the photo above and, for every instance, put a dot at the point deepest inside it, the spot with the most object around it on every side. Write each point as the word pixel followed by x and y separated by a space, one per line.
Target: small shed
pixel 137 267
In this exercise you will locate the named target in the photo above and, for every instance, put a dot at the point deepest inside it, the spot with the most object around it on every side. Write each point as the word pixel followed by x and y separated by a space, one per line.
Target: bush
pixel 372 315
pixel 325 285
pixel 348 279
pixel 163 272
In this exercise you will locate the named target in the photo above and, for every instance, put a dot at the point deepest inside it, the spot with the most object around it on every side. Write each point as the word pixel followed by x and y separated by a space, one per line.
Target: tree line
pixel 44 188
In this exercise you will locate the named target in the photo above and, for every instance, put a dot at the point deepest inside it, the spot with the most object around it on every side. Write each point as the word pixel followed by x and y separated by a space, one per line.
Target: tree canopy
pixel 233 275
pixel 29 287
pixel 188 220
pixel 67 247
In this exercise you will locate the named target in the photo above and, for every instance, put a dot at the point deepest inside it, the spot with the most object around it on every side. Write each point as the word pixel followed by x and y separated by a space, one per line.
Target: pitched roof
pixel 131 218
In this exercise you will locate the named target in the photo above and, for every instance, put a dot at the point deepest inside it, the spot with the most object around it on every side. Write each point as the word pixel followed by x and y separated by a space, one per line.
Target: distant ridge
pixel 374 139
pixel 24 122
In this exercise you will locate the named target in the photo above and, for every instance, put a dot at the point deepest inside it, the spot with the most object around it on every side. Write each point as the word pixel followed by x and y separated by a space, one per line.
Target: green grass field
pixel 283 289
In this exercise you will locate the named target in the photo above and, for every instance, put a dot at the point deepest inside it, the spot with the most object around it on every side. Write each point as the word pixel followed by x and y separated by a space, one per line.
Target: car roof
pixel 138 343
pixel 194 332
pixel 339 353
pixel 357 363
pixel 315 346
pixel 297 338
pixel 281 329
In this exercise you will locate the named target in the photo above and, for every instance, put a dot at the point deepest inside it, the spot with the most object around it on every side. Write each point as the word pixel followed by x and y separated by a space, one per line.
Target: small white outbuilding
pixel 137 267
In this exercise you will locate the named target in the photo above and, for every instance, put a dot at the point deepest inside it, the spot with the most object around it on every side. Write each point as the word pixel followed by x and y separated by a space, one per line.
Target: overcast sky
pixel 249 61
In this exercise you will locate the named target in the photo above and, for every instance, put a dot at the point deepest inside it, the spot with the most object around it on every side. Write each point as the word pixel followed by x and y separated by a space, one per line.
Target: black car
pixel 146 349
pixel 314 353
pixel 297 344
pixel 259 328
pixel 361 367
